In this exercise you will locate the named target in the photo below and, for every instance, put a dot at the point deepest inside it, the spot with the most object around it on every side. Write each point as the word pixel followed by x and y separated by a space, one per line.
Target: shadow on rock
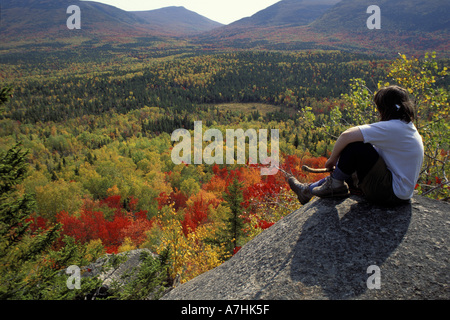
pixel 335 250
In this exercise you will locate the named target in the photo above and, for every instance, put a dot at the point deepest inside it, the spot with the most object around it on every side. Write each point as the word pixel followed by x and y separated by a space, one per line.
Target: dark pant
pixel 358 157
pixel 374 178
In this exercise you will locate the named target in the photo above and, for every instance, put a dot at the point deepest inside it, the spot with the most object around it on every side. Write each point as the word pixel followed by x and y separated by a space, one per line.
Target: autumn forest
pixel 93 130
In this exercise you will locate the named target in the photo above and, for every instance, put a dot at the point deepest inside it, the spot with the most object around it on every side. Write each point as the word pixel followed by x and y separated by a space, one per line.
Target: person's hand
pixel 331 163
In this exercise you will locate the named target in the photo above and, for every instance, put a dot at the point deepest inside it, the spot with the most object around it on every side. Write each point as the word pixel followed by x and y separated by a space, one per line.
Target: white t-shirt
pixel 401 147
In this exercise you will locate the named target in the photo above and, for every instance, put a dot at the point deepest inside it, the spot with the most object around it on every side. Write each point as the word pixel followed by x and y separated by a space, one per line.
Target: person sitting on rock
pixel 386 156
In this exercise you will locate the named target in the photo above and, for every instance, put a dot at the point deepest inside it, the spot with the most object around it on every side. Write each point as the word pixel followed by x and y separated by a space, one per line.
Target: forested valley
pixel 93 138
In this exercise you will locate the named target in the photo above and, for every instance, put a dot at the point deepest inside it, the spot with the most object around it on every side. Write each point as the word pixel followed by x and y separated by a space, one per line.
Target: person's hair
pixel 393 102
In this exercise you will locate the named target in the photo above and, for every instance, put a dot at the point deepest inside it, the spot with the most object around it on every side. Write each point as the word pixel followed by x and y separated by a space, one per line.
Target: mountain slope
pixel 34 20
pixel 407 26
pixel 399 15
pixel 274 19
pixel 177 20
pixel 37 19
pixel 287 12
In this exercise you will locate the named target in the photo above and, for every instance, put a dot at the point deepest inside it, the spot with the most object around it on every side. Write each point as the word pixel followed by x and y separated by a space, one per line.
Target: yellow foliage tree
pixel 189 255
pixel 127 245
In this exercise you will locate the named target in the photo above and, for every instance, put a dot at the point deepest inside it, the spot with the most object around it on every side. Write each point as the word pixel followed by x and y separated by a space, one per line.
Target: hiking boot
pixel 301 189
pixel 331 188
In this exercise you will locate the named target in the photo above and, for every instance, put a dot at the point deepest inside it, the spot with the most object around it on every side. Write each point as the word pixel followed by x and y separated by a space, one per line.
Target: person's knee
pixel 359 157
pixel 356 155
pixel 357 147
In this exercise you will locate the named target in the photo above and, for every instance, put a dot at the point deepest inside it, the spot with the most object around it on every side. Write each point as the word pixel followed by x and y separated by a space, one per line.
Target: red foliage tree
pixel 91 224
pixel 139 224
pixel 113 202
pixel 197 213
pixel 177 198
pixel 37 223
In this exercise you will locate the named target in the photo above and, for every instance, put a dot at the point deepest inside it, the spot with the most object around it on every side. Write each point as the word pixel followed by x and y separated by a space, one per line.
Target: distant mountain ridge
pixel 36 19
pixel 404 15
pixel 275 18
pixel 177 20
pixel 288 12
pixel 407 26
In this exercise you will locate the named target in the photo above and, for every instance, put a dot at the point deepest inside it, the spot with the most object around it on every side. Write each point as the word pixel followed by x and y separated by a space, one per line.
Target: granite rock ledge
pixel 323 251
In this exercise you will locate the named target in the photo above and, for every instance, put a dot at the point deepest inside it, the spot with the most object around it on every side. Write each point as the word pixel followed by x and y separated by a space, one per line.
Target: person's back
pixel 401 147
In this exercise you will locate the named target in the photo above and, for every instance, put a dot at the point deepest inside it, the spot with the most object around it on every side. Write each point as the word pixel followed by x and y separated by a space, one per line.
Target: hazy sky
pixel 223 11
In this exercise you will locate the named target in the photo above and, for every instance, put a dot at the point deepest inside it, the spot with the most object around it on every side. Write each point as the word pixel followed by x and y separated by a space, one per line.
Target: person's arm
pixel 349 136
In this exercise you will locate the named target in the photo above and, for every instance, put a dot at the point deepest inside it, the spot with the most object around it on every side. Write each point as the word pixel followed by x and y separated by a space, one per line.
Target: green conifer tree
pixel 18 246
pixel 235 222
pixel 29 268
